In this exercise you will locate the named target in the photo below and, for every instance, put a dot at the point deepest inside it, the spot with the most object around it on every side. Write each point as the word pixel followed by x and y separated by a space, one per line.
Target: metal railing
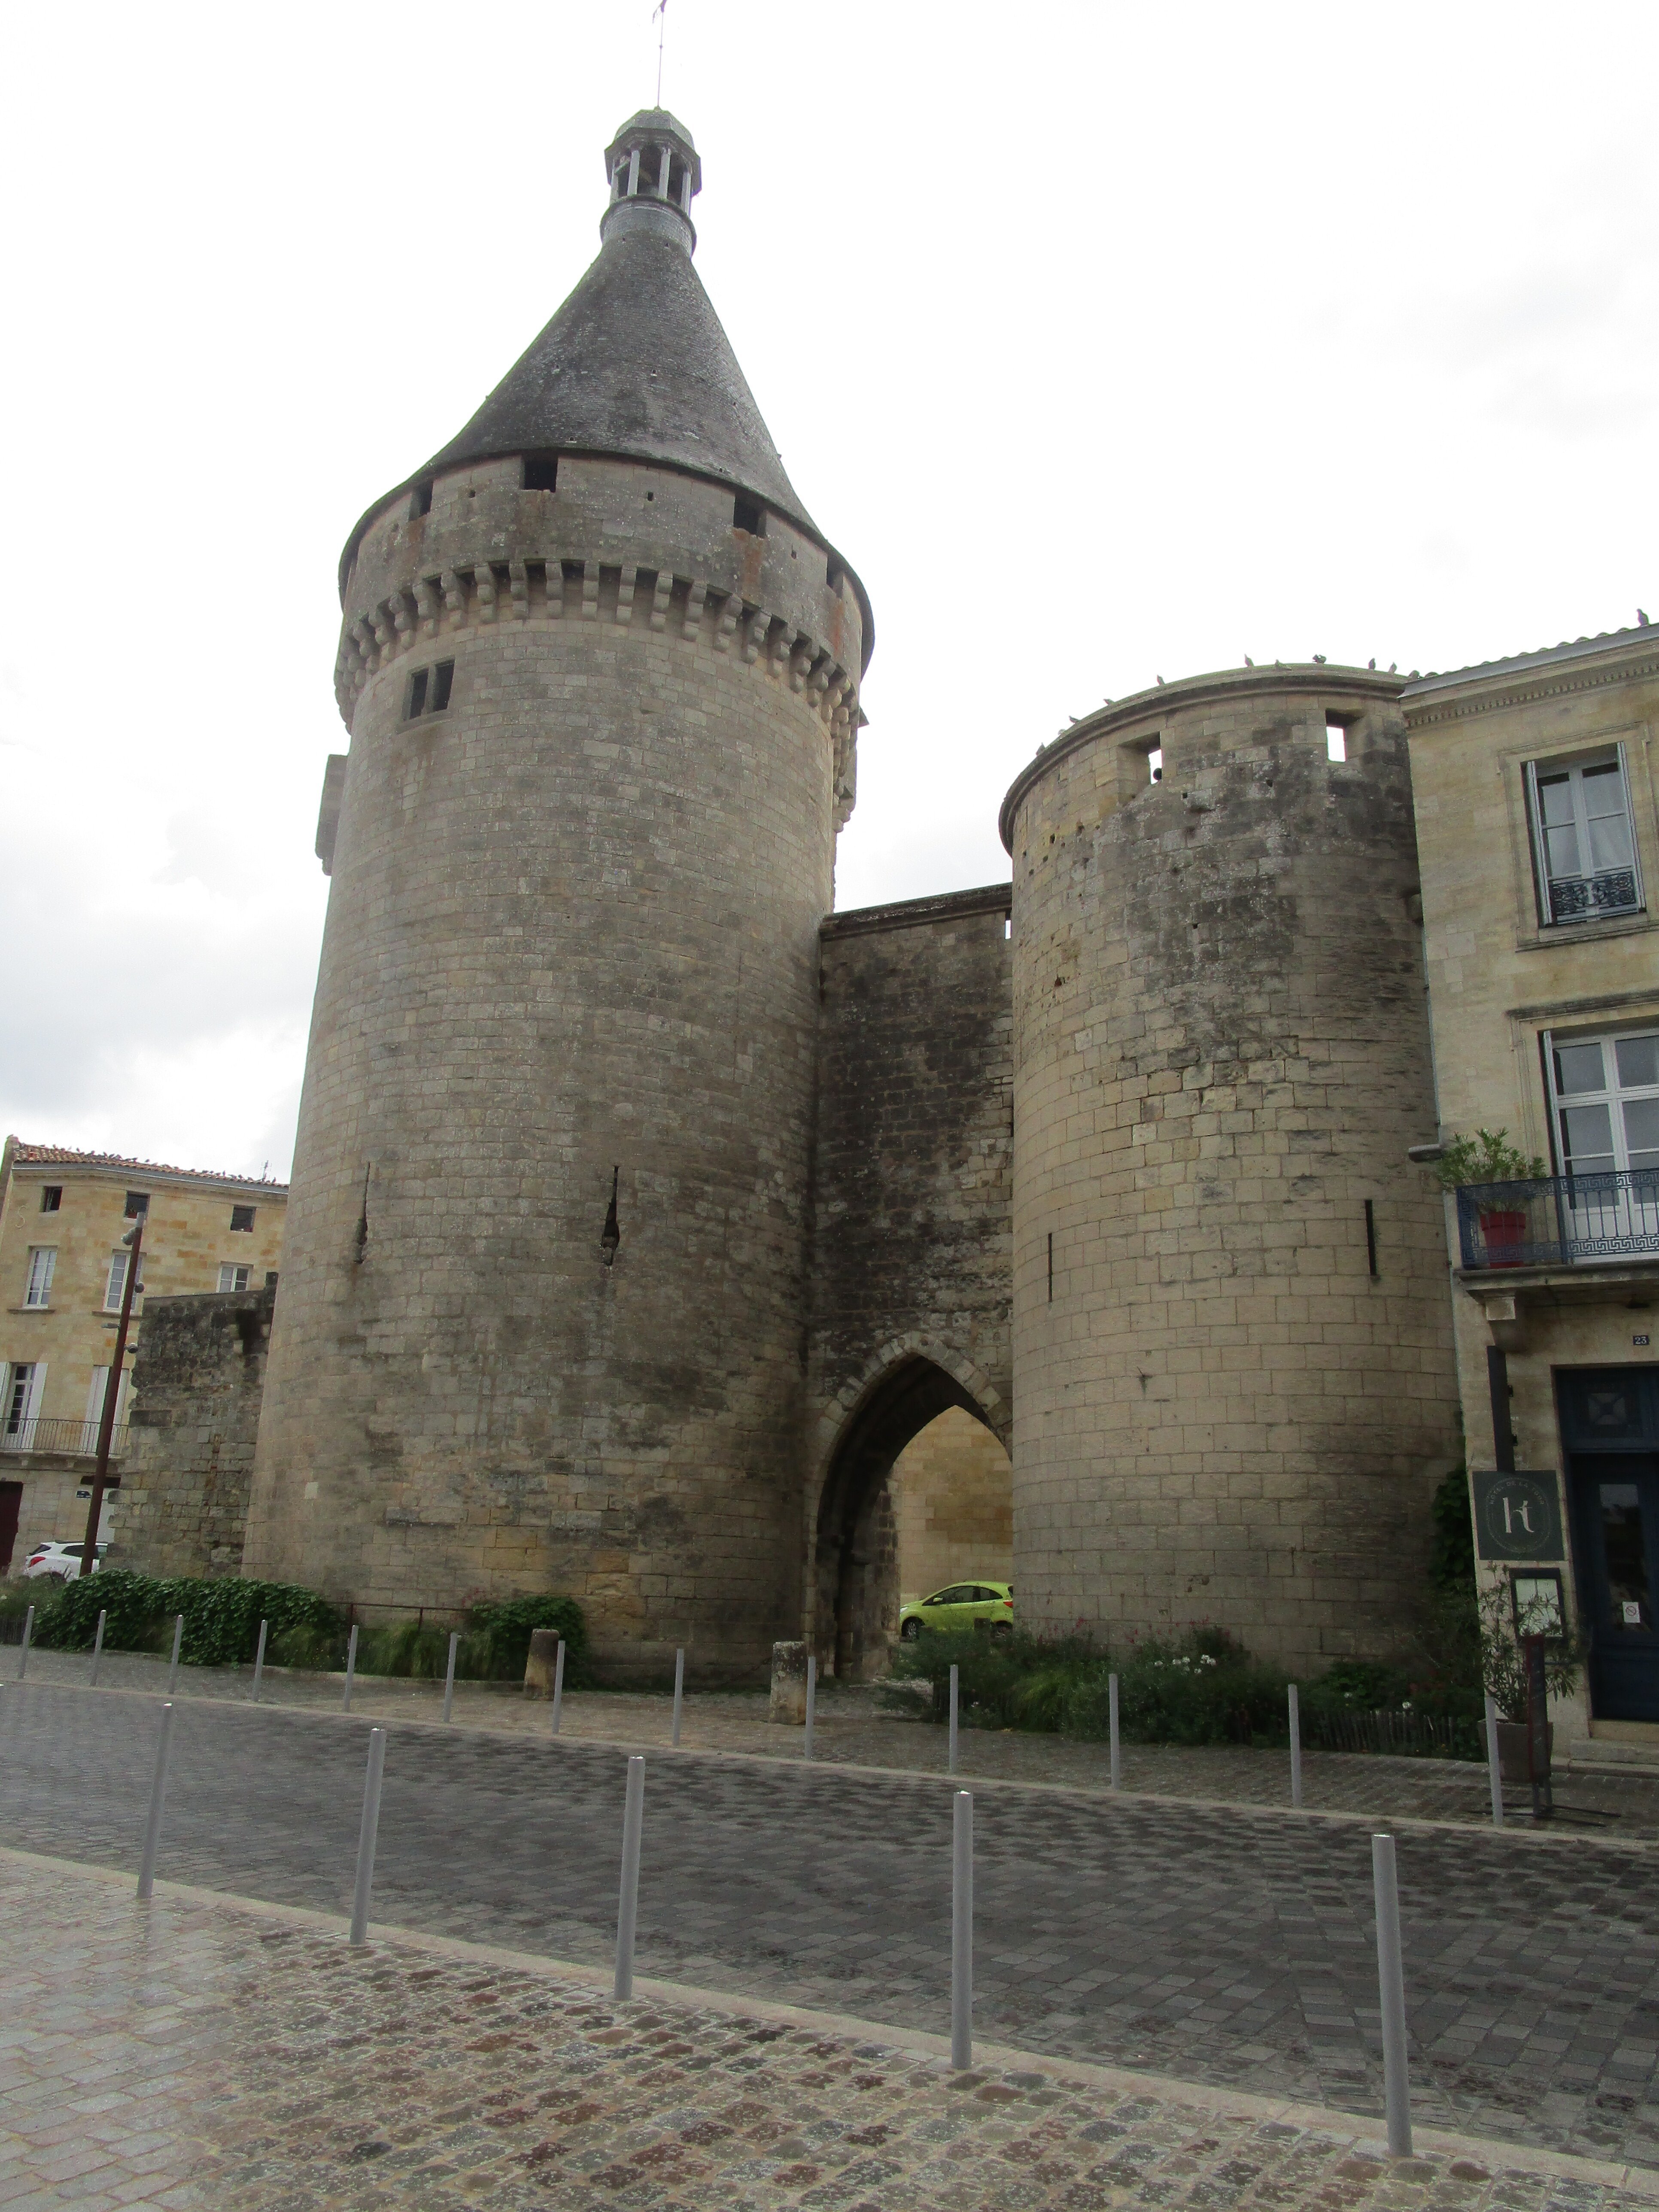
pixel 1559 1220
pixel 79 1439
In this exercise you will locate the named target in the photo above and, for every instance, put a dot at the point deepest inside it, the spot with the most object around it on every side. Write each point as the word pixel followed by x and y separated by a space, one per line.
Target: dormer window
pixel 420 502
pixel 749 515
pixel 541 473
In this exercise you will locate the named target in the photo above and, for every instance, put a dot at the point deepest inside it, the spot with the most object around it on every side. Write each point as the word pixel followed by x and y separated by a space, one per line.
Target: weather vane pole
pixel 659 16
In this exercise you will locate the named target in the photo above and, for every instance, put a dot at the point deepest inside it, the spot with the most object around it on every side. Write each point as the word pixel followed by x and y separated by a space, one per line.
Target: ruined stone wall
pixel 912 1168
pixel 1222 1050
pixel 197 1381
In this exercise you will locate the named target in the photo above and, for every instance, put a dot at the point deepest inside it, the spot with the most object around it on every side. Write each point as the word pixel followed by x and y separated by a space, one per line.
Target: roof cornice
pixel 1590 665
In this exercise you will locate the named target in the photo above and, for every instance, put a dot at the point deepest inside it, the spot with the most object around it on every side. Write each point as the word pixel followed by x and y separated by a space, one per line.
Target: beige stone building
pixel 63 1270
pixel 1535 799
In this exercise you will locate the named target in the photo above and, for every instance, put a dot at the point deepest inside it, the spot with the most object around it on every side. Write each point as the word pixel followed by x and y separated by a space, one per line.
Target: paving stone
pixel 1225 1946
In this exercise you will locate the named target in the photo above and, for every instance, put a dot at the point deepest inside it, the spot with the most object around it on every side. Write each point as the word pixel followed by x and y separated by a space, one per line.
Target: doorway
pixel 11 1502
pixel 1610 1423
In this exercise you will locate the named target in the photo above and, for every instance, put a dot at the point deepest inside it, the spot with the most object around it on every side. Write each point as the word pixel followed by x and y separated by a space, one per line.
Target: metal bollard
pixel 952 1768
pixel 1391 1988
pixel 98 1645
pixel 351 1669
pixel 679 1691
pixel 1296 1746
pixel 367 1834
pixel 1111 1706
pixel 1494 1764
pixel 259 1661
pixel 173 1664
pixel 558 1685
pixel 158 1791
pixel 812 1703
pixel 29 1631
pixel 627 1903
pixel 449 1673
pixel 962 1931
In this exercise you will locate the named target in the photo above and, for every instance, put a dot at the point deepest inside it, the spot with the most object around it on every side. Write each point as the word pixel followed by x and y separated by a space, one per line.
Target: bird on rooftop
pixel 1319 658
pixel 1393 665
pixel 1160 679
pixel 1249 663
pixel 1642 616
pixel 1371 663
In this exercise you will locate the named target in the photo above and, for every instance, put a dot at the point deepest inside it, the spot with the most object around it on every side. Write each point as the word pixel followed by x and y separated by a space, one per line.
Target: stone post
pixel 538 1666
pixel 788 1685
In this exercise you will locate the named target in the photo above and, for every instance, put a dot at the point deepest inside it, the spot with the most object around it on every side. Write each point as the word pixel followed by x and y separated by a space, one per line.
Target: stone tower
pixel 541 1316
pixel 1231 1348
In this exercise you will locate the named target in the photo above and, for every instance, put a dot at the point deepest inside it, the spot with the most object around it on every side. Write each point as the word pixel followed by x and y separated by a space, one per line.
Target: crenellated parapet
pixel 483 552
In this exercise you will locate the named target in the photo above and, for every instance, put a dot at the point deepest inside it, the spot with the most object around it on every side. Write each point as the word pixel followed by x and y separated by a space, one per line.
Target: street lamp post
pixel 135 1239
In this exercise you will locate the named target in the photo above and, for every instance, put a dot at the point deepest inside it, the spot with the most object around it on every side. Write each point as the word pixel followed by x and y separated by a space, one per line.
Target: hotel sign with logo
pixel 1517 1515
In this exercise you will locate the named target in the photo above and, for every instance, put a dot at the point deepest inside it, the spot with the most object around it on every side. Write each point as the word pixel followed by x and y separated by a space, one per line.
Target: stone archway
pixel 854 1588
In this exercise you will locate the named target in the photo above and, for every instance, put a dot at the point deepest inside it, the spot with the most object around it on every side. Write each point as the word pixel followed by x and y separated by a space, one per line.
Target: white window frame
pixel 1610 1094
pixel 29 1410
pixel 115 1283
pixel 37 1291
pixel 231 1268
pixel 1552 765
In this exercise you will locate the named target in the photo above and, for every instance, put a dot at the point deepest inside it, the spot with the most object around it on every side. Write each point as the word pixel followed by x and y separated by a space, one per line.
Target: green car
pixel 964 1605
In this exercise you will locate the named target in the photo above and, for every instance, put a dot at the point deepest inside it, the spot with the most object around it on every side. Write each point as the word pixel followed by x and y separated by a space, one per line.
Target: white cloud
pixel 1105 340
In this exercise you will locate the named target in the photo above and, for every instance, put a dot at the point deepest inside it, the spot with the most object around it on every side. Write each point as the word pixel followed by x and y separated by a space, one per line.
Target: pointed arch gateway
pixel 852 1582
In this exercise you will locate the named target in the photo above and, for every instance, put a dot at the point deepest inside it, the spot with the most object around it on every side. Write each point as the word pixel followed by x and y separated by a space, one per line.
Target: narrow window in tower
pixel 443 677
pixel 1336 738
pixel 749 515
pixel 1155 765
pixel 420 502
pixel 1007 925
pixel 832 576
pixel 1051 1266
pixel 417 700
pixel 1370 1237
pixel 541 473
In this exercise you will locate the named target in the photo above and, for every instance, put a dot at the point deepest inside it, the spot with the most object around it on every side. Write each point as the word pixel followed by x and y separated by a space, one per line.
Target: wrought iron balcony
pixel 1561 1221
pixel 76 1439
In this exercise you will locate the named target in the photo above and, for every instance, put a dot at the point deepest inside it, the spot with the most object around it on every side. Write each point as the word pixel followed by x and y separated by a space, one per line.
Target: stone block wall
pixel 1233 1404
pixel 911 1235
pixel 198 1379
pixel 953 1491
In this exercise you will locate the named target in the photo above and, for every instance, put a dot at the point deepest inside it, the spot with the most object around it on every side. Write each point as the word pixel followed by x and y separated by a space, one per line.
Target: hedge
pixel 221 1627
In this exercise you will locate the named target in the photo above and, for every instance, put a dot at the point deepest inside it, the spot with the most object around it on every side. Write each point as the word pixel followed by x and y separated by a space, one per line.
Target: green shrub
pixel 221 1617
pixel 1016 1681
pixel 497 1641
pixel 1201 1688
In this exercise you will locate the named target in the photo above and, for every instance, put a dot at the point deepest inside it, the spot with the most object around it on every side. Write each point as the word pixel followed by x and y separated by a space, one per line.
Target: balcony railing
pixel 1561 1220
pixel 77 1438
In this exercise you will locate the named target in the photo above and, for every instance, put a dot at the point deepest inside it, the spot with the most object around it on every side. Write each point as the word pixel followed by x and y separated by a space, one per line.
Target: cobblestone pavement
pixel 852 1729
pixel 1225 1946
pixel 198 2055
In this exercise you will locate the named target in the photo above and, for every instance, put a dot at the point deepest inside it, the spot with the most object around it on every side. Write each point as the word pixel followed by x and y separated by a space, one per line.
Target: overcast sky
pixel 1106 341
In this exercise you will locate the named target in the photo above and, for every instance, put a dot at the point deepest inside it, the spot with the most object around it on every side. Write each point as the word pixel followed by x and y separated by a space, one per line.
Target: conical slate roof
pixel 635 363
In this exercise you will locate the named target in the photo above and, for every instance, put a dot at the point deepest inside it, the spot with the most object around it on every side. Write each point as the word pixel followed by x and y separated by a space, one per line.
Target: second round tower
pixel 1232 1358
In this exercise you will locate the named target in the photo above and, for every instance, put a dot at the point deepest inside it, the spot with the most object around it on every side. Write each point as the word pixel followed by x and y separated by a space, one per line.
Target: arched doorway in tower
pixel 919 1494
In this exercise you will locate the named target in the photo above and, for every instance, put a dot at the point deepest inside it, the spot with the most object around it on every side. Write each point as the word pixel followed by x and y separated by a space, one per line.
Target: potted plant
pixel 1488 1156
pixel 1504 1669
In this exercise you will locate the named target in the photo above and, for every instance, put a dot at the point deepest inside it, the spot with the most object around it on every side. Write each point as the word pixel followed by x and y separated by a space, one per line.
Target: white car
pixel 61 1563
